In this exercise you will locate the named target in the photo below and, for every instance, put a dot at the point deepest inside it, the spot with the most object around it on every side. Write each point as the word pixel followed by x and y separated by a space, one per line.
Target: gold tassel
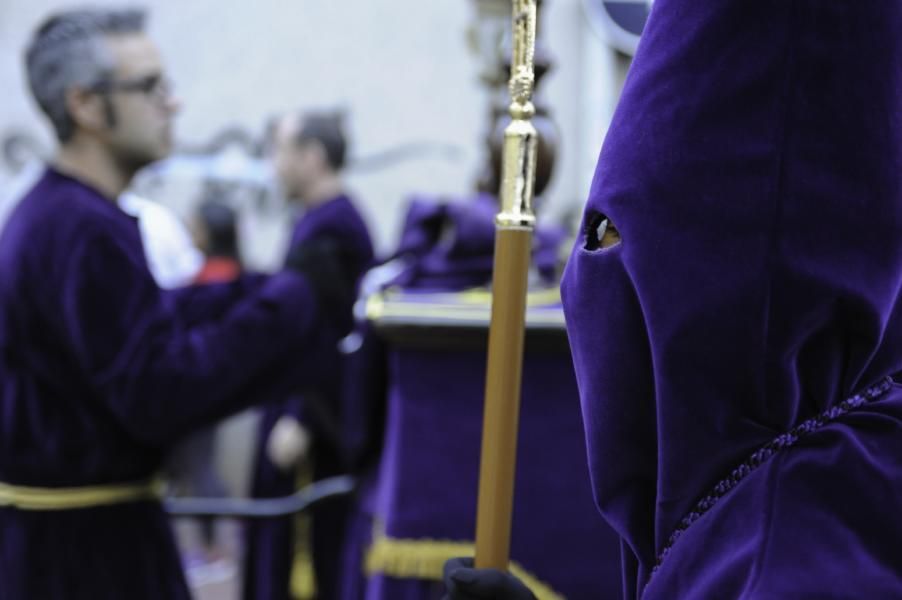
pixel 425 559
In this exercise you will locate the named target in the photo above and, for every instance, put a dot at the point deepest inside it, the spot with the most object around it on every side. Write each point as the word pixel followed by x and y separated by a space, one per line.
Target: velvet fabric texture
pixel 423 485
pixel 450 245
pixel 753 171
pixel 100 372
pixel 429 472
pixel 443 247
pixel 270 543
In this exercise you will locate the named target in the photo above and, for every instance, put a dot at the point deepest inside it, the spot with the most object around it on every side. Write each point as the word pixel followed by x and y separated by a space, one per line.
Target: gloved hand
pixel 322 262
pixel 466 583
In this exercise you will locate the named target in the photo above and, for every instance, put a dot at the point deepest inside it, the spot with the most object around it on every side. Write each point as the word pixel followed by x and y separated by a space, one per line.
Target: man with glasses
pixel 100 370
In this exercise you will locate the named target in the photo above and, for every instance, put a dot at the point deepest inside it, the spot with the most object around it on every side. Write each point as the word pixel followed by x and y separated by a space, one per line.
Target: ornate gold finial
pixel 520 138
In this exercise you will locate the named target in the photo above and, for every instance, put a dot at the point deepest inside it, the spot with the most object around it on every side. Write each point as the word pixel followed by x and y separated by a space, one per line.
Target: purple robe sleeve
pixel 197 303
pixel 159 375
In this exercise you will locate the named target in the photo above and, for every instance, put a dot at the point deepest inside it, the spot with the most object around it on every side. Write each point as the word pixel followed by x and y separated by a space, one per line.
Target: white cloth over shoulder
pixel 172 257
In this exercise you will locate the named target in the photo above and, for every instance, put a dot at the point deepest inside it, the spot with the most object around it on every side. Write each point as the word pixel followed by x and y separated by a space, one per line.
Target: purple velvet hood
pixel 753 170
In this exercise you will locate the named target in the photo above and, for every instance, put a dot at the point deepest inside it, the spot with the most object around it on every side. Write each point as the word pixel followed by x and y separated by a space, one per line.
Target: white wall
pixel 401 68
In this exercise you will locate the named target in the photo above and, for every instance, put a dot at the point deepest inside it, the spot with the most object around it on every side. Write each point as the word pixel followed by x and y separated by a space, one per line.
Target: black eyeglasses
pixel 154 86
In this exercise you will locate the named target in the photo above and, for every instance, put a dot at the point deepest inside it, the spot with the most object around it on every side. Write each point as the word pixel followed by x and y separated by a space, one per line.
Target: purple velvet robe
pixel 270 542
pixel 727 347
pixel 424 486
pixel 100 372
pixel 450 245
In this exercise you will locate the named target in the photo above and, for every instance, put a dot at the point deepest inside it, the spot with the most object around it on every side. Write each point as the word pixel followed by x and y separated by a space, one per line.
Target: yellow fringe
pixel 303 576
pixel 425 559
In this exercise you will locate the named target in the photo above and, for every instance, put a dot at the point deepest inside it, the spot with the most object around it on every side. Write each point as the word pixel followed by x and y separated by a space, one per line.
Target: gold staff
pixel 514 226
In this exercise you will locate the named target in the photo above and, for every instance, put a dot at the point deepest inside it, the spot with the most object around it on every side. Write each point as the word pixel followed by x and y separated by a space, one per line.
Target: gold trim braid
pixel 303 576
pixel 425 559
pixel 466 305
pixel 71 498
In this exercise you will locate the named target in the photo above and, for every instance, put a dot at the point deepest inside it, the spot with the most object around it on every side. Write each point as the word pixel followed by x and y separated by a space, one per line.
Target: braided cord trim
pixel 763 454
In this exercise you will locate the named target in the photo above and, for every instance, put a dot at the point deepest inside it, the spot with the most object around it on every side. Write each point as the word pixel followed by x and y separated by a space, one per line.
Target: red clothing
pixel 218 269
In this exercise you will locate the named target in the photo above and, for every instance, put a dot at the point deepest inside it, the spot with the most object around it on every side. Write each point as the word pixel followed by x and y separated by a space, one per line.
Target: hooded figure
pixel 753 173
pixel 733 309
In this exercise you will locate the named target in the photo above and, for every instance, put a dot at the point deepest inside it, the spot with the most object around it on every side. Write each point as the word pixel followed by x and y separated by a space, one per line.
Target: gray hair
pixel 68 50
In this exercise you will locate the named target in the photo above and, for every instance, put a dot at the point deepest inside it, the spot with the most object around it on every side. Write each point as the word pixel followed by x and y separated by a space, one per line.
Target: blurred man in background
pixel 101 371
pixel 300 439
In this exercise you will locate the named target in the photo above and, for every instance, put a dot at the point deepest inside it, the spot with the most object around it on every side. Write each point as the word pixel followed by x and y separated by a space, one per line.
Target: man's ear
pixel 86 109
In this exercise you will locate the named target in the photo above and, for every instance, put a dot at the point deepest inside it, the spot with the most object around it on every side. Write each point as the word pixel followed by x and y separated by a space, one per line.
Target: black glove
pixel 322 262
pixel 466 583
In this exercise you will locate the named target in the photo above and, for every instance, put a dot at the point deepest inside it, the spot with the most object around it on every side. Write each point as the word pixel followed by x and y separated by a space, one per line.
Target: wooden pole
pixel 513 243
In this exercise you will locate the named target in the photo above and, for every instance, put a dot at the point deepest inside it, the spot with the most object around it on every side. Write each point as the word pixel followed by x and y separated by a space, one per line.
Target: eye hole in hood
pixel 600 233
